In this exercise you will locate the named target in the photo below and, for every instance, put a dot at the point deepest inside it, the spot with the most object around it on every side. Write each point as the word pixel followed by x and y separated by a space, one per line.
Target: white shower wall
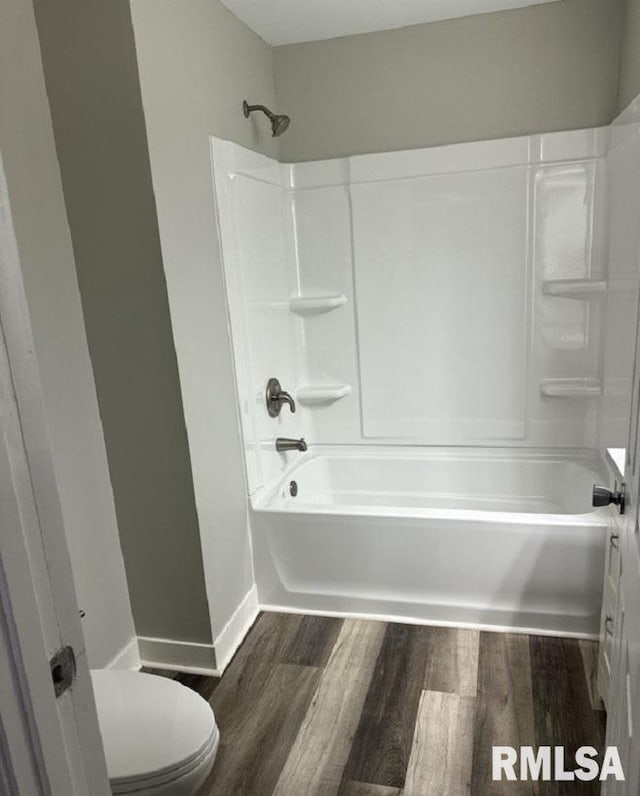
pixel 255 214
pixel 434 270
pixel 623 169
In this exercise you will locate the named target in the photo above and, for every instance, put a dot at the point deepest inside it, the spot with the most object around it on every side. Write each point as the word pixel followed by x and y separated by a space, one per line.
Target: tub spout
pixel 285 444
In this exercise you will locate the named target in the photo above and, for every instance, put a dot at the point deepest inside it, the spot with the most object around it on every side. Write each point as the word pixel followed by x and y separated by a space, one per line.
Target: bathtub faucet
pixel 285 444
pixel 276 397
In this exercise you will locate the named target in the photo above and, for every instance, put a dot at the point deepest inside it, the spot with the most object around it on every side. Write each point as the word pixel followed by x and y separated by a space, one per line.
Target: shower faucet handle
pixel 276 396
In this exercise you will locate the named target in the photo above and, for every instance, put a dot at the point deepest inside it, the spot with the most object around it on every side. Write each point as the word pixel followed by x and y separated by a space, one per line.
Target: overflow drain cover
pixel 293 488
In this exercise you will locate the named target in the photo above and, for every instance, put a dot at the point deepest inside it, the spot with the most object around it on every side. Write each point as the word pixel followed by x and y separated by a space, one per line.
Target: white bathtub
pixel 496 539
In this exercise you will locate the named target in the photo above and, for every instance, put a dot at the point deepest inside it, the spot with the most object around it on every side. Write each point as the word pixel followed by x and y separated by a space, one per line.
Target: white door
pixel 48 745
pixel 623 720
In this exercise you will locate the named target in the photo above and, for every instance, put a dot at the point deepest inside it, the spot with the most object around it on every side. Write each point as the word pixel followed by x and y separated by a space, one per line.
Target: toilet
pixel 160 737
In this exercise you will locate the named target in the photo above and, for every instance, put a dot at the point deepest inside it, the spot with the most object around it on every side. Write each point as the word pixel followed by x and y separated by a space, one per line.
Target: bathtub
pixel 501 540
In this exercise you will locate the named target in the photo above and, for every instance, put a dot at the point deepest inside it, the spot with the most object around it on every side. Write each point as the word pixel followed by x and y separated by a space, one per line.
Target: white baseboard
pixel 233 633
pixel 179 656
pixel 127 658
pixel 207 659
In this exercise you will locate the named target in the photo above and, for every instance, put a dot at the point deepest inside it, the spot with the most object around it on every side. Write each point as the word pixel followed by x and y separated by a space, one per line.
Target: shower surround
pixel 437 315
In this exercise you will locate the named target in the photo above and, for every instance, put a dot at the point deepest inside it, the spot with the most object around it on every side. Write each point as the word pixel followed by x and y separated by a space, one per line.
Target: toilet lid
pixel 150 725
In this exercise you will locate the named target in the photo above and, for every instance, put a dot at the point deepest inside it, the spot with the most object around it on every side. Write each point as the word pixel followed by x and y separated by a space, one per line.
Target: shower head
pixel 279 122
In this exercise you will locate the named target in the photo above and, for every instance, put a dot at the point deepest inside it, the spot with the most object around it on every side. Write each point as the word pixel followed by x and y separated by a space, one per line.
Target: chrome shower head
pixel 279 122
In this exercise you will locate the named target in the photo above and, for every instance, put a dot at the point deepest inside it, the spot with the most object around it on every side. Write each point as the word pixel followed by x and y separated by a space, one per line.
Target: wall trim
pixel 233 633
pixel 179 656
pixel 127 658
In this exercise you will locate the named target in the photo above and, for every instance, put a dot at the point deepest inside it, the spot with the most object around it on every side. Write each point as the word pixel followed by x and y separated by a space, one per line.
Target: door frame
pixel 61 742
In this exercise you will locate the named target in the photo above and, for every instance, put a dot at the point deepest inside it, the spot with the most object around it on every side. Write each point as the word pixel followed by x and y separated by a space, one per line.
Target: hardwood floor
pixel 312 705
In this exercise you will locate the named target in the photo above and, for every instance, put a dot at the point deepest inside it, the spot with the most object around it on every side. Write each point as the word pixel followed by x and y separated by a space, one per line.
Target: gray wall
pixel 48 270
pixel 543 68
pixel 197 63
pixel 92 82
pixel 630 55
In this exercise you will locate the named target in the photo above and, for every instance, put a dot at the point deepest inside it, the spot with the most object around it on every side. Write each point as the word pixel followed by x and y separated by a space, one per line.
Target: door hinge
pixel 63 669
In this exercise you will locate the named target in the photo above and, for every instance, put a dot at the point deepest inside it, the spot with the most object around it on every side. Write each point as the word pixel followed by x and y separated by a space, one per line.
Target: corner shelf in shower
pixel 316 305
pixel 327 394
pixel 571 388
pixel 582 289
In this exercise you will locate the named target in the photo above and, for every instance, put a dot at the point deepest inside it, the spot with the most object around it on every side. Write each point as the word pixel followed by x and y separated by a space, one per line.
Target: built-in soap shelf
pixel 316 305
pixel 571 388
pixel 581 289
pixel 326 394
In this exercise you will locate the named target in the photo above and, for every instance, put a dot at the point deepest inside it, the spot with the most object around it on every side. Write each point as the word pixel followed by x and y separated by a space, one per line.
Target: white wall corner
pixel 626 124
pixel 233 633
pixel 179 656
pixel 127 658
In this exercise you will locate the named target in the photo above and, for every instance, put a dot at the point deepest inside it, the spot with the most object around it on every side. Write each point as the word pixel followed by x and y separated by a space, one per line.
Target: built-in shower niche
pixel 443 296
pixel 570 239
pixel 308 306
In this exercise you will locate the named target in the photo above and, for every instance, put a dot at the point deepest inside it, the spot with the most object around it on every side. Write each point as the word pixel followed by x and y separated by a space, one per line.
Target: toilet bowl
pixel 160 738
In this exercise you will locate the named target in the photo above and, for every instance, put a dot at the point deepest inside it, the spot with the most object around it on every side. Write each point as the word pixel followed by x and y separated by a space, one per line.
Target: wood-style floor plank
pixel 562 708
pixel 389 714
pixel 246 676
pixel 200 683
pixel 314 641
pixel 203 685
pixel 589 652
pixel 367 789
pixel 250 760
pixel 442 751
pixel 319 706
pixel 452 663
pixel 316 761
pixel 504 714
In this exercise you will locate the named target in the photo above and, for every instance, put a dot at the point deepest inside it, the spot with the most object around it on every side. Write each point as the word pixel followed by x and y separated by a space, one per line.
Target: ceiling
pixel 289 21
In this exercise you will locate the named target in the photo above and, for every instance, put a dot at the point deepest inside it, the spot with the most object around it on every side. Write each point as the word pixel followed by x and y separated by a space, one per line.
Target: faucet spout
pixel 285 444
